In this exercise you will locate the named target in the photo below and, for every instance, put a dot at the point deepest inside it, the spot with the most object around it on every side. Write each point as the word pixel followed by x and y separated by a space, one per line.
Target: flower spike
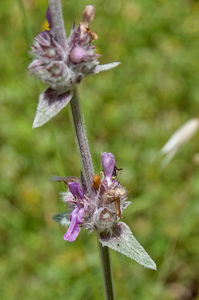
pixel 62 63
pixel 102 212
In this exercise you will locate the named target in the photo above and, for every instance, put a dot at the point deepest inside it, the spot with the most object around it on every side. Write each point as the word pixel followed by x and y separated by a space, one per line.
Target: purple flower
pixel 49 18
pixel 101 212
pixel 76 217
pixel 62 63
pixel 75 189
pixel 108 164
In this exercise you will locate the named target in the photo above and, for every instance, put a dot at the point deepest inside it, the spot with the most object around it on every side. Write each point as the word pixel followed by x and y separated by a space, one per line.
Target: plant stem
pixel 58 23
pixel 86 159
pixel 82 140
pixel 104 251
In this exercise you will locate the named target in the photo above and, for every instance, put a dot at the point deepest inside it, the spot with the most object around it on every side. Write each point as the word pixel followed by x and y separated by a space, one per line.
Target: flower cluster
pixel 62 68
pixel 101 212
pixel 63 63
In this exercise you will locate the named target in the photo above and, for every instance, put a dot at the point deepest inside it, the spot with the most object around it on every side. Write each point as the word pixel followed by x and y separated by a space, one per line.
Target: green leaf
pixel 50 104
pixel 106 67
pixel 62 218
pixel 122 240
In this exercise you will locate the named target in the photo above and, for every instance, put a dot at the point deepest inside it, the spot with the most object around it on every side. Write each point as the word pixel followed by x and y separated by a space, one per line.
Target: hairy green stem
pixel 104 251
pixel 58 23
pixel 82 141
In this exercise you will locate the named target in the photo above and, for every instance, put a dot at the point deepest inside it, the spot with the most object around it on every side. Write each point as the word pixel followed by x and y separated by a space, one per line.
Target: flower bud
pixel 78 54
pixel 88 15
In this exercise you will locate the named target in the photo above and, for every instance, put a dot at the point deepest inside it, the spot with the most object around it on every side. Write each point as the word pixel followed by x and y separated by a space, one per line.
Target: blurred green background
pixel 130 111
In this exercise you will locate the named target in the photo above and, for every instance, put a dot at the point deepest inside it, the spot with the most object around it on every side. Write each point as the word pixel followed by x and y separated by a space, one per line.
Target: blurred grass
pixel 130 111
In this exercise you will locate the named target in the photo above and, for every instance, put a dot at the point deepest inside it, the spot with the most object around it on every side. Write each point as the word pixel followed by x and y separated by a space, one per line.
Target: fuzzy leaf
pixel 123 241
pixel 106 67
pixel 50 104
pixel 62 218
